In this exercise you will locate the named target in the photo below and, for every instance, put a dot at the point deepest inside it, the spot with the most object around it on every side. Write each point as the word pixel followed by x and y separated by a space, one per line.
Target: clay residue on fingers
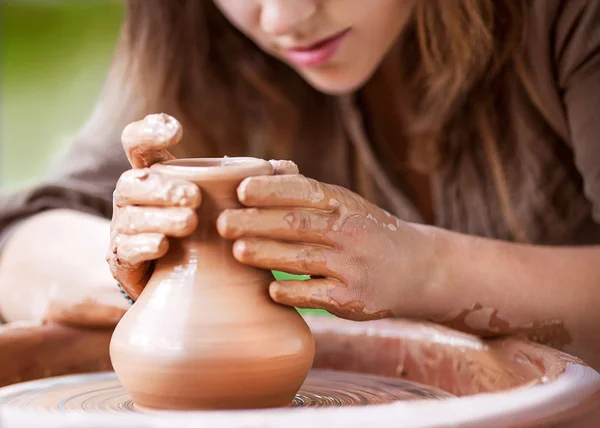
pixel 317 294
pixel 174 222
pixel 293 225
pixel 487 322
pixel 140 248
pixel 161 127
pixel 284 191
pixel 291 258
pixel 348 205
pixel 357 311
pixel 311 225
pixel 282 167
pixel 146 141
pixel 146 187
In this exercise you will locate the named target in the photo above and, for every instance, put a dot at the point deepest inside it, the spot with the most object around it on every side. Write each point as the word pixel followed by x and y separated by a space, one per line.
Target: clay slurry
pixel 102 393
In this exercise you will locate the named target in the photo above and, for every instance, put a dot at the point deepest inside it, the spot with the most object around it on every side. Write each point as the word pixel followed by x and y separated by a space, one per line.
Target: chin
pixel 336 83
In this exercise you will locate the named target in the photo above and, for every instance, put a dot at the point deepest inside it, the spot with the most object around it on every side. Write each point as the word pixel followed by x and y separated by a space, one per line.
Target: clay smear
pixel 487 322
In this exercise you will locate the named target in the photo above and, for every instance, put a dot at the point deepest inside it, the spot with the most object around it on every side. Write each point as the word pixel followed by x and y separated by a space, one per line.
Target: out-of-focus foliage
pixel 54 58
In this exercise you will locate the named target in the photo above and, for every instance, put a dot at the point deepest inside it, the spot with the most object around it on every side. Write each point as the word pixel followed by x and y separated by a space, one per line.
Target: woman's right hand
pixel 148 207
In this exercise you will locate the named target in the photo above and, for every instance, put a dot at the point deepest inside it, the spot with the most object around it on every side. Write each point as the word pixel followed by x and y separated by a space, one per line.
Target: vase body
pixel 204 333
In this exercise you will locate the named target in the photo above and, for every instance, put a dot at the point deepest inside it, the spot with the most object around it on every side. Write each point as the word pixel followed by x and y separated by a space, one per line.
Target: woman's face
pixel 335 45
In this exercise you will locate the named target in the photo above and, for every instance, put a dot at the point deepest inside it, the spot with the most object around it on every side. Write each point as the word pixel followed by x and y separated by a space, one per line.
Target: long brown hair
pixel 186 58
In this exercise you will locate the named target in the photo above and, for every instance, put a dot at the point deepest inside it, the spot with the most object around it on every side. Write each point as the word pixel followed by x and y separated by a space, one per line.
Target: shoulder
pixel 569 27
pixel 557 13
pixel 561 47
pixel 567 37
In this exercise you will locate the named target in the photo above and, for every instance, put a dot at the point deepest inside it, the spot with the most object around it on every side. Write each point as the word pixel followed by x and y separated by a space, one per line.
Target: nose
pixel 280 17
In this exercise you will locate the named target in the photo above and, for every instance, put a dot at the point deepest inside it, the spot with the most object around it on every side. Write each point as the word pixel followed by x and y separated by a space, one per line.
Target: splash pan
pixel 380 373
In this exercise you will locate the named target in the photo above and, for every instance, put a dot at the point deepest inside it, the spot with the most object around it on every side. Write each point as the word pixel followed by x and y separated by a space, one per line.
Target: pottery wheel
pixel 102 392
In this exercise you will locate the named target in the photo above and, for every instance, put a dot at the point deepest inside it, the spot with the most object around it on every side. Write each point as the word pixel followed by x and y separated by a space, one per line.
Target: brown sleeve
pixel 82 178
pixel 577 56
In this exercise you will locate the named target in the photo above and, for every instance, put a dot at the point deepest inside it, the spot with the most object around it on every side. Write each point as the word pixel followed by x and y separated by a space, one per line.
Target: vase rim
pixel 214 169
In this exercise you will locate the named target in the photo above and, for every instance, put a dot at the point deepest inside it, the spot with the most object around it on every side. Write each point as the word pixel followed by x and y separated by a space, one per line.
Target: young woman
pixel 469 128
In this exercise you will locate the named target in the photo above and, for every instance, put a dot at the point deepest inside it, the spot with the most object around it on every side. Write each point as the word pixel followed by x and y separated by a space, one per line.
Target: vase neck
pixel 216 197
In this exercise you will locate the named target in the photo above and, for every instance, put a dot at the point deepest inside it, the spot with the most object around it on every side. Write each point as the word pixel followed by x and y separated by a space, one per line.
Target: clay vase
pixel 204 333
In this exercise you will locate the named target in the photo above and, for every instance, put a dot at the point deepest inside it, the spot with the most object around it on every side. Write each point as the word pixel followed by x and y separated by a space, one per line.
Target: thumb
pixel 146 141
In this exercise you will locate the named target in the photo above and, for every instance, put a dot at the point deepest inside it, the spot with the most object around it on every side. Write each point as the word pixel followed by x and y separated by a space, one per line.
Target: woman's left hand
pixel 364 263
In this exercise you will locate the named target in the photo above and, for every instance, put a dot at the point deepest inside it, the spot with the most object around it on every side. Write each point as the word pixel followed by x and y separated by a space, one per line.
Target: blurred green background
pixel 55 54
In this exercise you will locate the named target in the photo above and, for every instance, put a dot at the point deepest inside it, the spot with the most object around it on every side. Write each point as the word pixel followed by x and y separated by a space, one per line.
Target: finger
pixel 145 187
pixel 174 222
pixel 283 167
pixel 144 247
pixel 290 258
pixel 311 294
pixel 310 226
pixel 287 191
pixel 132 278
pixel 146 141
pixel 323 293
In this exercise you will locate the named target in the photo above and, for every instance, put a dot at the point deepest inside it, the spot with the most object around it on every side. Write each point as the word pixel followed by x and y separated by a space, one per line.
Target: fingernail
pixel 242 250
pixel 227 224
pixel 276 291
pixel 242 190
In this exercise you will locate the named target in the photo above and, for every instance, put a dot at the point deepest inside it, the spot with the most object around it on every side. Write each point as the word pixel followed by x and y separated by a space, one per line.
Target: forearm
pixel 52 258
pixel 550 294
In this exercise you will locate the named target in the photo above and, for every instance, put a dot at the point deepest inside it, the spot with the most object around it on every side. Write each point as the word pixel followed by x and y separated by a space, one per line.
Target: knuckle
pixel 303 265
pixel 299 222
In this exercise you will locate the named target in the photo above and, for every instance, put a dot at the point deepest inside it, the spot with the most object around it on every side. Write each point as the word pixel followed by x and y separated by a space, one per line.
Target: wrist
pixel 434 264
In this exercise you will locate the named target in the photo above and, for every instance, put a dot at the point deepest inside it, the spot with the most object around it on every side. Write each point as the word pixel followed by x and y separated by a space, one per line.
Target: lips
pixel 317 53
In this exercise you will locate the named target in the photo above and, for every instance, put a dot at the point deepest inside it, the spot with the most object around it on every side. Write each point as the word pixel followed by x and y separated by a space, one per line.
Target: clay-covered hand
pixel 364 263
pixel 148 207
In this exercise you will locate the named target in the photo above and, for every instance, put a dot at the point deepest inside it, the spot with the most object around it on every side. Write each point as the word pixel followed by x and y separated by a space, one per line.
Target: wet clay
pixel 487 322
pixel 431 354
pixel 204 333
pixel 497 382
pixel 102 393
